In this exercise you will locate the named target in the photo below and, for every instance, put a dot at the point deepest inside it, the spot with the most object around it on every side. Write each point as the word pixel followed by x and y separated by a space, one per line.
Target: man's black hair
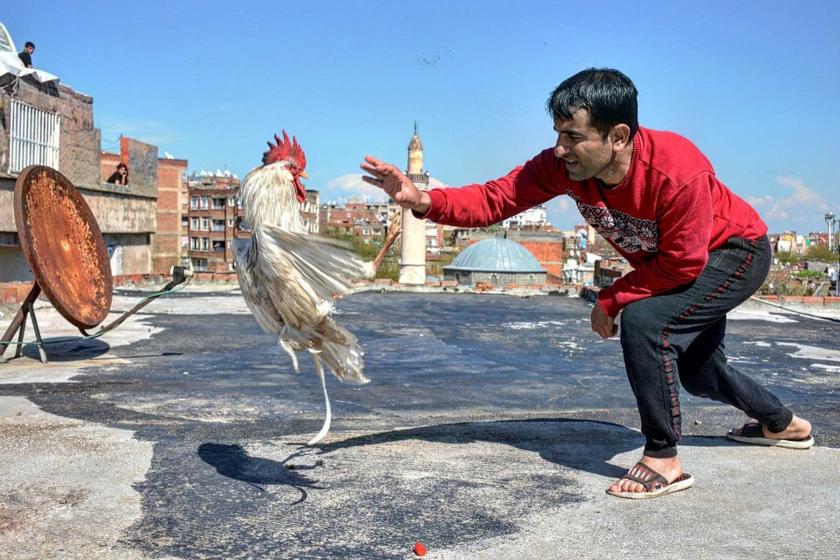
pixel 29 44
pixel 608 95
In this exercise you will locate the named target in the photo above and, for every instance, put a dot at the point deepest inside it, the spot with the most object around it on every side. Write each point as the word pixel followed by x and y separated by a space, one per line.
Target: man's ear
pixel 620 136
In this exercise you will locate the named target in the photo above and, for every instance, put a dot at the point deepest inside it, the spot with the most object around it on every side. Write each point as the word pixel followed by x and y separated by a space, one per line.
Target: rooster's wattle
pixel 289 278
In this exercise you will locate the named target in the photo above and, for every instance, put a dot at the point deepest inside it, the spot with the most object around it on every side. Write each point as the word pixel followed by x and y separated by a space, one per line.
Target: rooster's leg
pixel 326 427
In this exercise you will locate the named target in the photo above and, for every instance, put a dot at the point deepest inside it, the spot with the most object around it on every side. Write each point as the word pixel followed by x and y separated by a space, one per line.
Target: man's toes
pixel 629 486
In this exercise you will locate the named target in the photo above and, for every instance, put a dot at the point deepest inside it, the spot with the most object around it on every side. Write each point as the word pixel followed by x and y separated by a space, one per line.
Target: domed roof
pixel 496 255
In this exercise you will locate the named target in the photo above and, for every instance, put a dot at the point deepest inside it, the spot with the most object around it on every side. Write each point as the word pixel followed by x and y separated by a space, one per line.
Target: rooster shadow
pixel 232 461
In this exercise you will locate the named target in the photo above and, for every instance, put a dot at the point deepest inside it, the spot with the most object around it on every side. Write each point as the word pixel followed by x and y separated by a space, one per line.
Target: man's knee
pixel 638 320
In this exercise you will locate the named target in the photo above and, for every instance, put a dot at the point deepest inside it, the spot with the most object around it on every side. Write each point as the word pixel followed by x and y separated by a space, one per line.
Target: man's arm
pixel 476 205
pixel 685 227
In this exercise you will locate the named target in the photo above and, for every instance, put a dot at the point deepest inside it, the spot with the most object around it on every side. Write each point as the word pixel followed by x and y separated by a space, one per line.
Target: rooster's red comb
pixel 285 150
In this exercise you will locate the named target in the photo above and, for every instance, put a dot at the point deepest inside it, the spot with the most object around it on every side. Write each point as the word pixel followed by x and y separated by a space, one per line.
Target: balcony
pixel 33 137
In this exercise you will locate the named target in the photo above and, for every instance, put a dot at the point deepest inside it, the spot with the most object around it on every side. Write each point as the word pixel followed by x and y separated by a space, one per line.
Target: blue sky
pixel 755 85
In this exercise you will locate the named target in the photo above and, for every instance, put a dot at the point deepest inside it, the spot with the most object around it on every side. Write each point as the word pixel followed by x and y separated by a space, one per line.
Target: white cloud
pixel 437 184
pixel 801 204
pixel 351 187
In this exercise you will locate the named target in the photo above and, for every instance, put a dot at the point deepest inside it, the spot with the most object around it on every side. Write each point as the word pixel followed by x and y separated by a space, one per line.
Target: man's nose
pixel 560 150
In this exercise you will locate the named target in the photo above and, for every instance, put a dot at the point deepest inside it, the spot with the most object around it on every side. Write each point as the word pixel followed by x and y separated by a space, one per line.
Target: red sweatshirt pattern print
pixel 622 230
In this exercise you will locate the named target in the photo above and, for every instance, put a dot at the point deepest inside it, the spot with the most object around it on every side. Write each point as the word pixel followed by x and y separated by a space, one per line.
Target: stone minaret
pixel 413 252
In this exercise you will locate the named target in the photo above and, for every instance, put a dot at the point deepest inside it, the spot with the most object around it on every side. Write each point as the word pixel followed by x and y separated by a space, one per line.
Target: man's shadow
pixel 584 445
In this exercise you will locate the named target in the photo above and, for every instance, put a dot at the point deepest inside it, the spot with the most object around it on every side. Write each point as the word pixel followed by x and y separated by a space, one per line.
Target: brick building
pixel 54 126
pixel 166 240
pixel 213 218
pixel 366 221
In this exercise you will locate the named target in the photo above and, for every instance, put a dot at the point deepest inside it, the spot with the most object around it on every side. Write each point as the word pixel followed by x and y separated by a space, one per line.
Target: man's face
pixel 30 49
pixel 581 147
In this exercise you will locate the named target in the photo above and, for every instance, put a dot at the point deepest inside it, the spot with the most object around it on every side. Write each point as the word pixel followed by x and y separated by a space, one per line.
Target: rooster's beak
pixel 304 175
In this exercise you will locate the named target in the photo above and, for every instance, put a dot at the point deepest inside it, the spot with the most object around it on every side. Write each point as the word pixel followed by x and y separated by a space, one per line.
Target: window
pixel 205 243
pixel 205 224
pixel 194 243
pixel 194 202
pixel 195 225
pixel 218 225
pixel 232 201
pixel 33 137
pixel 230 222
pixel 218 204
pixel 205 203
pixel 199 264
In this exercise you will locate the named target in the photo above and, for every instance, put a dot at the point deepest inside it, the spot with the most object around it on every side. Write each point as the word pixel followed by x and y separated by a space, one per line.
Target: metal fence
pixel 33 137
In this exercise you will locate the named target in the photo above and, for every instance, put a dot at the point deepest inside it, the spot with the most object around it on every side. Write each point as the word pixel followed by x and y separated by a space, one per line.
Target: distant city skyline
pixel 753 84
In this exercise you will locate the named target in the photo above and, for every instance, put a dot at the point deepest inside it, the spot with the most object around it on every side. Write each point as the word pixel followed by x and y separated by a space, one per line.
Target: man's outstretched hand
pixel 394 182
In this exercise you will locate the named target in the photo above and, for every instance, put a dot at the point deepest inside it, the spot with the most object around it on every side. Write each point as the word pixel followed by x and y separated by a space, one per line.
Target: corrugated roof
pixel 496 255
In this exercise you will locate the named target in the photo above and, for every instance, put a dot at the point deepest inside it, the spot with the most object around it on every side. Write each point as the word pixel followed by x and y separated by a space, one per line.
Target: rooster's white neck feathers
pixel 269 199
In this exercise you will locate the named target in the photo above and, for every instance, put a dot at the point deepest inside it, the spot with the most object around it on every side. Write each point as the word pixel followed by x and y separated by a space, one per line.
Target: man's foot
pixel 797 435
pixel 652 477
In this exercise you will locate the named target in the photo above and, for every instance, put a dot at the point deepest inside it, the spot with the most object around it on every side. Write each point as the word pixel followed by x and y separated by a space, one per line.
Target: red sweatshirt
pixel 664 217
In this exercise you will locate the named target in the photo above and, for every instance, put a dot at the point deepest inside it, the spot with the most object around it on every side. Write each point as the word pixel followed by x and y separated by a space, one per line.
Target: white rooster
pixel 290 279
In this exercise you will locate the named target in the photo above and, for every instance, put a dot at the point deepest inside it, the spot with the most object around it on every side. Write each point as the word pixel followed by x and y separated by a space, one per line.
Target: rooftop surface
pixel 490 429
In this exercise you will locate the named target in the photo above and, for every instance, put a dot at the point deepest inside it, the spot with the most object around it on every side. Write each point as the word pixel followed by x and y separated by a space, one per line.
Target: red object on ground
pixel 419 549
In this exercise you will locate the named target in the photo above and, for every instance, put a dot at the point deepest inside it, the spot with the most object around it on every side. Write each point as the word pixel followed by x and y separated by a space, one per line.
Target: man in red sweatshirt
pixel 697 249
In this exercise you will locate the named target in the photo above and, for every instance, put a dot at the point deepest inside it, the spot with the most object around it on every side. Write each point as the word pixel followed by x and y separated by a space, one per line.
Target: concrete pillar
pixel 413 242
pixel 413 250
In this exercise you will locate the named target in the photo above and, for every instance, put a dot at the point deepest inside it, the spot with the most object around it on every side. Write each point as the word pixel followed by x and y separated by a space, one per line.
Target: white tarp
pixel 11 64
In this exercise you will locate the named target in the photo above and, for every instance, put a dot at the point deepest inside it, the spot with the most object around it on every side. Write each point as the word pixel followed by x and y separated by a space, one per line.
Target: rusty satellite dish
pixel 64 246
pixel 65 249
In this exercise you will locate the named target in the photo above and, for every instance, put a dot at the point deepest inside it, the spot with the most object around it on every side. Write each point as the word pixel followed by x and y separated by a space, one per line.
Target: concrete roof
pixel 490 429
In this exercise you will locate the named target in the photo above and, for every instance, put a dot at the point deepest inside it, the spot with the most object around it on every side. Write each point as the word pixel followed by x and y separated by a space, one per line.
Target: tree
pixel 820 252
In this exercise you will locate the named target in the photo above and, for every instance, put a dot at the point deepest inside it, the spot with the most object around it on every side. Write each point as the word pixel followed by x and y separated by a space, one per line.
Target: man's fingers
pixel 372 180
pixel 378 168
pixel 373 170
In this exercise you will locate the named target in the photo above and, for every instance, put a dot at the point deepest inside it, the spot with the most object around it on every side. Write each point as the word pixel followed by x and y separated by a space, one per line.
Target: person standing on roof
pixel 697 249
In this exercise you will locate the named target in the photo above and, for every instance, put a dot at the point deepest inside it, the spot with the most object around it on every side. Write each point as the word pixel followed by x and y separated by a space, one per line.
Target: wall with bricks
pixel 550 254
pixel 142 161
pixel 166 243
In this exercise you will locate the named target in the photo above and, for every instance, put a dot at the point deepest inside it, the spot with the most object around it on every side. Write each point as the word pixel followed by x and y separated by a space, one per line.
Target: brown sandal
pixel 752 433
pixel 654 483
